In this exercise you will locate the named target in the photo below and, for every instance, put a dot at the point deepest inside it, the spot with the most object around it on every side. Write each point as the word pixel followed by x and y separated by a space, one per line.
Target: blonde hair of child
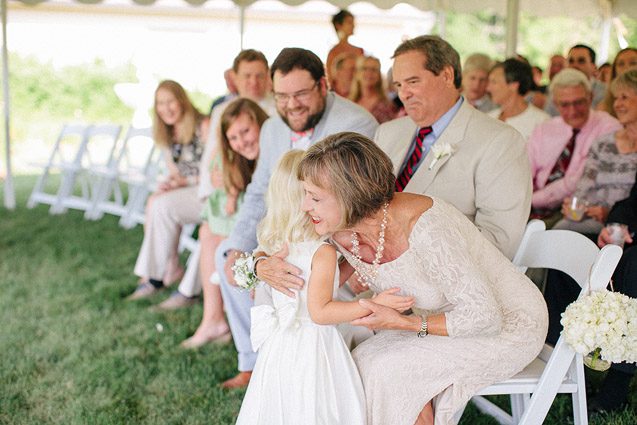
pixel 284 221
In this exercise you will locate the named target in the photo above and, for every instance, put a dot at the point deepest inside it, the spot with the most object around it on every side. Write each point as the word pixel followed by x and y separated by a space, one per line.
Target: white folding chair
pixel 124 166
pixel 67 152
pixel 144 163
pixel 97 151
pixel 559 369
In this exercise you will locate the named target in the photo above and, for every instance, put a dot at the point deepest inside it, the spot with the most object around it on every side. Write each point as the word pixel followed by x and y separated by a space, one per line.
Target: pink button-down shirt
pixel 546 145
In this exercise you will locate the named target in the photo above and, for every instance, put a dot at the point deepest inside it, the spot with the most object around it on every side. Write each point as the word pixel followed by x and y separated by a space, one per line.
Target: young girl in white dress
pixel 304 372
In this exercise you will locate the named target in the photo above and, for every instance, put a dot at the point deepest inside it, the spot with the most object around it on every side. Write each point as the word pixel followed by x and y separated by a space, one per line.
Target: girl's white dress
pixel 304 372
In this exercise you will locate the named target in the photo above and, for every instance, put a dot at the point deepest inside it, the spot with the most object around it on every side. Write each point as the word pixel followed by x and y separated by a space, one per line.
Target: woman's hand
pixel 388 298
pixel 598 212
pixel 382 317
pixel 216 178
pixel 604 238
pixel 231 205
pixel 566 207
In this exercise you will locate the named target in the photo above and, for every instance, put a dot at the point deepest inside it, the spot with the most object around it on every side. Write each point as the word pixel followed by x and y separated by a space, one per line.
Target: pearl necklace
pixel 365 276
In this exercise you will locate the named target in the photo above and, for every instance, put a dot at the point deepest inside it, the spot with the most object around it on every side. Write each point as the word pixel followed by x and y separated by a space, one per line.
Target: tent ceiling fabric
pixel 573 8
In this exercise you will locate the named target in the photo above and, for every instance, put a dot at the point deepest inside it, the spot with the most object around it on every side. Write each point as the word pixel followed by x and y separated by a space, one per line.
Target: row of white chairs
pixel 95 166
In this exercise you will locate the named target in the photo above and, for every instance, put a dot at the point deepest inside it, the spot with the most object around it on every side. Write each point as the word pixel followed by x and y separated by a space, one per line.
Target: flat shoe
pixel 143 290
pixel 192 343
pixel 176 301
pixel 241 380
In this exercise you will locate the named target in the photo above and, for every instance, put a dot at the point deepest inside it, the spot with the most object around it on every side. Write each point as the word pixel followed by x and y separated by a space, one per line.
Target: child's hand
pixel 389 299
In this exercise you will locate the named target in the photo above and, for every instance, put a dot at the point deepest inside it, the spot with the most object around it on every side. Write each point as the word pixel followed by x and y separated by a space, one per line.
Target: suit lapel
pixel 452 135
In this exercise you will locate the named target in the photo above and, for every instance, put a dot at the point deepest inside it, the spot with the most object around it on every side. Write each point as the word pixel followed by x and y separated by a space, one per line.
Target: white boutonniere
pixel 439 152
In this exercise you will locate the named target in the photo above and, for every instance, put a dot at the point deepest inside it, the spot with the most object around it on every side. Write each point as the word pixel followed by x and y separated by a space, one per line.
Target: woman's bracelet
pixel 256 261
pixel 423 328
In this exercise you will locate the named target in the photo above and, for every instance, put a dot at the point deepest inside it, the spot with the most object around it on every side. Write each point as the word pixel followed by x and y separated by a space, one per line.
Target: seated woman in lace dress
pixel 610 167
pixel 479 319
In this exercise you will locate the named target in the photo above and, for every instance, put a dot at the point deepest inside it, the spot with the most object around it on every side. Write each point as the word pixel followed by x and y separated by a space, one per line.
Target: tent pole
pixel 9 193
pixel 242 19
pixel 604 41
pixel 513 14
pixel 441 16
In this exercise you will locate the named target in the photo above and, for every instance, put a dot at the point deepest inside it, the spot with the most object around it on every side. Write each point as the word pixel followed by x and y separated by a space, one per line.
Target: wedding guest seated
pixel 445 147
pixel 343 23
pixel 306 113
pixel 231 168
pixel 582 58
pixel 509 82
pixel 626 59
pixel 558 147
pixel 610 168
pixel 561 290
pixel 475 76
pixel 179 130
pixel 556 64
pixel 603 73
pixel 342 75
pixel 469 291
pixel 368 90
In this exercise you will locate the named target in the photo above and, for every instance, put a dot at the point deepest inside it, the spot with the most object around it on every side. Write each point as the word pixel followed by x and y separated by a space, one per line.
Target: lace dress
pixel 304 372
pixel 496 320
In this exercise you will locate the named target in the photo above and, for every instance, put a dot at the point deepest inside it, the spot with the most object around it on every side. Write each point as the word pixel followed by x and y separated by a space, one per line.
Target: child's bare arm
pixel 323 309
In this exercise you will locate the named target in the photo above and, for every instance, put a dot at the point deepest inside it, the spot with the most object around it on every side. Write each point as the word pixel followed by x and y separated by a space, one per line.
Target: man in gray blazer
pixel 475 162
pixel 306 113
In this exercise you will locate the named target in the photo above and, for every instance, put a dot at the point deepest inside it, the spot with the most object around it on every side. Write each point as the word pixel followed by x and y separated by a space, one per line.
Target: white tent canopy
pixel 606 9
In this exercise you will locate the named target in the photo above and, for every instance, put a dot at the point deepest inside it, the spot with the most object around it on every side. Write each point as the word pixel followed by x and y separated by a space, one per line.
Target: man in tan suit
pixel 446 148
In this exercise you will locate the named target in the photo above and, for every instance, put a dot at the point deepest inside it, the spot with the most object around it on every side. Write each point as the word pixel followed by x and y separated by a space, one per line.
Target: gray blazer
pixel 275 140
pixel 487 177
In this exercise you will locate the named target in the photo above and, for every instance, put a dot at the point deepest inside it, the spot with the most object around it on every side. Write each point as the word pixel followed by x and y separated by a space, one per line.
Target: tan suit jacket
pixel 487 177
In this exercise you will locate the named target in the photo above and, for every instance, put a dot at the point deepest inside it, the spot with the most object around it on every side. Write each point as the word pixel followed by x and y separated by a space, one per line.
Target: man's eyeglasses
pixel 301 95
pixel 577 103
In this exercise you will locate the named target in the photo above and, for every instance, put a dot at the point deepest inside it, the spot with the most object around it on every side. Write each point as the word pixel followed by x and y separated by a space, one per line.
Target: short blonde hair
pixel 284 221
pixel 627 80
pixel 355 170
pixel 477 61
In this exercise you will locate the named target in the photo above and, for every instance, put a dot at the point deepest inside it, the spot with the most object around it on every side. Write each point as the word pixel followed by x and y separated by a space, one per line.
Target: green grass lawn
pixel 74 352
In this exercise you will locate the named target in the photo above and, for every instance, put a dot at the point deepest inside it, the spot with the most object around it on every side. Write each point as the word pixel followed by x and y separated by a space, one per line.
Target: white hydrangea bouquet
pixel 243 271
pixel 603 327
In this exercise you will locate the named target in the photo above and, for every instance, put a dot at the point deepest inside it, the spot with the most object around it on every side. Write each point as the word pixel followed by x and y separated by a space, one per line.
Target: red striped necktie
pixel 414 159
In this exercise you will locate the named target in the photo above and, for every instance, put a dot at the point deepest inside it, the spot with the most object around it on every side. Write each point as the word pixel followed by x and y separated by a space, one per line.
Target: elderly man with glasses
pixel 306 113
pixel 558 148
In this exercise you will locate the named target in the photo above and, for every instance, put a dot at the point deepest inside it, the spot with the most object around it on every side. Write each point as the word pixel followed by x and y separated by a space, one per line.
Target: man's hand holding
pixel 280 274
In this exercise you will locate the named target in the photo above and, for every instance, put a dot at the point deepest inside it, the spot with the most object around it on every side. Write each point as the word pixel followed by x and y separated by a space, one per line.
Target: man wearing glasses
pixel 306 113
pixel 582 58
pixel 558 147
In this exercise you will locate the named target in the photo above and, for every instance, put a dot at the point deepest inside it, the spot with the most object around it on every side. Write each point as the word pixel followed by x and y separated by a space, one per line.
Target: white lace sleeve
pixel 449 265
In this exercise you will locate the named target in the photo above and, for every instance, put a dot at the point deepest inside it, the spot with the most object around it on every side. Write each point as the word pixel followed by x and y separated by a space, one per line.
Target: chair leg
pixel 580 413
pixel 37 189
pixel 519 403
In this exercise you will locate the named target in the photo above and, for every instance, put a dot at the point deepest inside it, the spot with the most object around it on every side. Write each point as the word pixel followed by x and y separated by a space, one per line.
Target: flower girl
pixel 304 372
